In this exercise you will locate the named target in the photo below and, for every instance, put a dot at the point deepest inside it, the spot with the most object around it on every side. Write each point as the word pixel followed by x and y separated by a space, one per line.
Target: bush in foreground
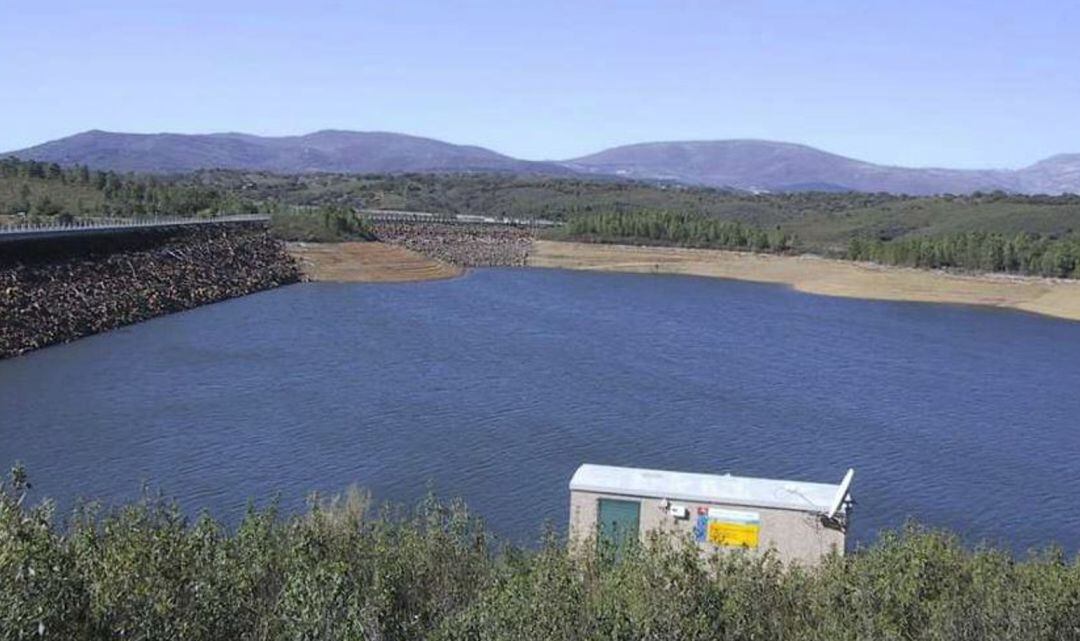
pixel 346 571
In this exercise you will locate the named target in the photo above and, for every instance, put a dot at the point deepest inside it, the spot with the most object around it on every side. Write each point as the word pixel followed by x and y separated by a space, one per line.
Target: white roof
pixel 705 488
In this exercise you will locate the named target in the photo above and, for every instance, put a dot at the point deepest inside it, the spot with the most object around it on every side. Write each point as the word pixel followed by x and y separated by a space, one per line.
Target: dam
pixel 65 281
pixel 21 233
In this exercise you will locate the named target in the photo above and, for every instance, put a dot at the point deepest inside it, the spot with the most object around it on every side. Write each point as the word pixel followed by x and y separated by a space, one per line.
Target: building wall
pixel 796 535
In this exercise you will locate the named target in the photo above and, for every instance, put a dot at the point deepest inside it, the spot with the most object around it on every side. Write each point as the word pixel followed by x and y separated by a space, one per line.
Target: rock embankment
pixel 54 294
pixel 462 245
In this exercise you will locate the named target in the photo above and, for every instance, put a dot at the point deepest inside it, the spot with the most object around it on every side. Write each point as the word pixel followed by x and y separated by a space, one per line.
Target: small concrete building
pixel 802 521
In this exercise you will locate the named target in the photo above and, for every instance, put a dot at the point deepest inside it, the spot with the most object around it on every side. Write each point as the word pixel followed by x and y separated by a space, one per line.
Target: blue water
pixel 496 386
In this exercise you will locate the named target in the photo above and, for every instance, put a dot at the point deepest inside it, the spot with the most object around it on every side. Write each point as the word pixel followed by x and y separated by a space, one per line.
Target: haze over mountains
pixel 322 151
pixel 740 164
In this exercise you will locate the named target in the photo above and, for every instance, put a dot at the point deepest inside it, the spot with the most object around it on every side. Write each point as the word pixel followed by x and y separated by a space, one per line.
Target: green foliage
pixel 677 229
pixel 346 571
pixel 977 251
pixel 46 189
pixel 940 216
pixel 325 224
pixel 556 198
pixel 824 223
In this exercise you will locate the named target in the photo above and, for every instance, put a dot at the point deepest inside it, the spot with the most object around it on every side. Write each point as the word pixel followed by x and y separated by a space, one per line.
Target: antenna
pixel 841 494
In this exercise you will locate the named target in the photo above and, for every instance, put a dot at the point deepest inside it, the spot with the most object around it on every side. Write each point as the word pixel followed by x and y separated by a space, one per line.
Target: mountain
pixel 322 151
pixel 779 166
pixel 756 165
pixel 1055 175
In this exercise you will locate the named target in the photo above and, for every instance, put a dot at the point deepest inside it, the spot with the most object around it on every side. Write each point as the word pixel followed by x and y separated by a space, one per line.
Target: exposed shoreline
pixel 825 276
pixel 367 262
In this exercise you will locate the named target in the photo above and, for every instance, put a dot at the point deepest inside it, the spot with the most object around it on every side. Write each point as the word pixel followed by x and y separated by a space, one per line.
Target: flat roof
pixel 704 488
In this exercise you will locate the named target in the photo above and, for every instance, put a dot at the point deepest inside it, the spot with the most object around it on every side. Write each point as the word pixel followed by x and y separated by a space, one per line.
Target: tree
pixel 44 206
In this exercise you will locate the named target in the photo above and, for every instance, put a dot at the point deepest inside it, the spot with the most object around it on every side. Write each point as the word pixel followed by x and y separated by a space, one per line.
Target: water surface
pixel 496 386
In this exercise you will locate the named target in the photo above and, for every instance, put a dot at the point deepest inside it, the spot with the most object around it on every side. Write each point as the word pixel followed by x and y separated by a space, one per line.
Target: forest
pixel 977 251
pixel 677 229
pixel 349 569
pixel 37 189
pixel 1022 253
pixel 982 231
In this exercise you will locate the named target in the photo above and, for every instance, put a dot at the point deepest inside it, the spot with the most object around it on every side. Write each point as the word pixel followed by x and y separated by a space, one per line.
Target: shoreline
pixel 367 262
pixel 824 276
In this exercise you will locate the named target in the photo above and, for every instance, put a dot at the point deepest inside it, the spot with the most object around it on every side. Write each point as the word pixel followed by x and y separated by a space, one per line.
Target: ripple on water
pixel 495 386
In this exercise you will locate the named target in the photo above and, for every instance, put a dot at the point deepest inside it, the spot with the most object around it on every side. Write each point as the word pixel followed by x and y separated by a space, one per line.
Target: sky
pixel 915 83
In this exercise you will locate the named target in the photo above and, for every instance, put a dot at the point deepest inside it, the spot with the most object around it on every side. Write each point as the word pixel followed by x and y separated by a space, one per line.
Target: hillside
pixel 776 166
pixel 1055 175
pixel 752 165
pixel 821 222
pixel 322 151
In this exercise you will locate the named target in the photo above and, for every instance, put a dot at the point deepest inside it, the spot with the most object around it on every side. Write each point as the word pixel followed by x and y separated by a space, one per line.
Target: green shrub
pixel 327 224
pixel 343 570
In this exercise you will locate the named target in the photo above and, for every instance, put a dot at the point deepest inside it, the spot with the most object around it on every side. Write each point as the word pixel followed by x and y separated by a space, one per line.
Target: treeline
pixel 531 196
pixel 977 251
pixel 678 229
pixel 345 571
pixel 39 189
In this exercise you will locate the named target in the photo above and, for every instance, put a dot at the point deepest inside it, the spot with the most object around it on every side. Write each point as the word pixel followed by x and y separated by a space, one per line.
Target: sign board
pixel 729 528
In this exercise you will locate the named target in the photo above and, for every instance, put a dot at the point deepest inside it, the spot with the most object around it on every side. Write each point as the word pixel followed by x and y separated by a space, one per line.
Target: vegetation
pixel 822 221
pixel 325 224
pixel 983 231
pixel 346 571
pixel 1021 253
pixel 978 251
pixel 677 229
pixel 553 198
pixel 38 189
pixel 996 213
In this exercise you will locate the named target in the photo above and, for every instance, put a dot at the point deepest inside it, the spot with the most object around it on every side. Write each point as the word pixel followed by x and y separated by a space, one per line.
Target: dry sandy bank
pixel 817 275
pixel 367 263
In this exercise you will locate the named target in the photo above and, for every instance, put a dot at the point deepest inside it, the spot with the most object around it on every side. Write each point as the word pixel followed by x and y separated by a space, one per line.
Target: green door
pixel 618 523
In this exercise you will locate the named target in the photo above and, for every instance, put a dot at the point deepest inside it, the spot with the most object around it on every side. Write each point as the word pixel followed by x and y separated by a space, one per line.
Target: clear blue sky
pixel 948 83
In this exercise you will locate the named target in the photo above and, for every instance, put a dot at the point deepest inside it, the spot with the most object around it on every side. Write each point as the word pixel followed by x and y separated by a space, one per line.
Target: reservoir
pixel 494 387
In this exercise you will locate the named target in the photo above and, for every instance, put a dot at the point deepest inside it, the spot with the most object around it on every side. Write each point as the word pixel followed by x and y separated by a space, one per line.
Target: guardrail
pixel 397 216
pixel 109 225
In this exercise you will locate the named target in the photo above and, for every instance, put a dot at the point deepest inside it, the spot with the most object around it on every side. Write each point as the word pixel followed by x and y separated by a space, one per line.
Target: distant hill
pixel 778 166
pixel 1058 174
pixel 754 165
pixel 322 151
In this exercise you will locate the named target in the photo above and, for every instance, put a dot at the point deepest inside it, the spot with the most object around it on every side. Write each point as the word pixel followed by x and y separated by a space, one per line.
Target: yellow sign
pixel 733 534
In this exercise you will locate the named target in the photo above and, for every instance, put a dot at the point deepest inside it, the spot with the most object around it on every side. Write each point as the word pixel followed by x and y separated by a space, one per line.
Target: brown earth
pixel 367 262
pixel 816 275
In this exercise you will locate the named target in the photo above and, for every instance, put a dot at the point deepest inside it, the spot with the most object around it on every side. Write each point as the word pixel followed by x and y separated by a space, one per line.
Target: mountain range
pixel 755 165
